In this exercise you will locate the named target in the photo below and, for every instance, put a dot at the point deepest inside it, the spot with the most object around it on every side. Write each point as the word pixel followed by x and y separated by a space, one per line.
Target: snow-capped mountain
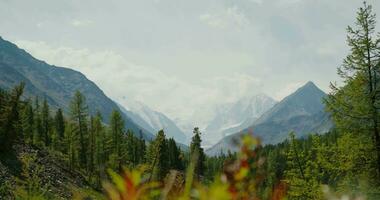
pixel 233 117
pixel 302 112
pixel 153 120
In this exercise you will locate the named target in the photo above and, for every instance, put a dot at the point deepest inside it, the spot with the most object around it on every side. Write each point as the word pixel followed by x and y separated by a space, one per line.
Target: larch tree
pixel 355 106
pixel 59 123
pixel 117 133
pixel 79 115
pixel 45 120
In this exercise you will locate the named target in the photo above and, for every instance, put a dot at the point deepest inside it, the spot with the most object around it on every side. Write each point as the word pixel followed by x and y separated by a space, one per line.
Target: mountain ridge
pixel 302 112
pixel 153 120
pixel 56 84
pixel 233 117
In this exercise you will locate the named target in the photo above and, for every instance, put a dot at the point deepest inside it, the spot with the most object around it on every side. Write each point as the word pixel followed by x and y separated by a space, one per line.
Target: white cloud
pixel 81 23
pixel 228 18
pixel 120 79
pixel 288 89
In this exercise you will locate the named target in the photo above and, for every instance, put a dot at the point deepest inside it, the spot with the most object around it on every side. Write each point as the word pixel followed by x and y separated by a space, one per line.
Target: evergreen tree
pixel 28 122
pixel 174 152
pixel 302 172
pixel 354 106
pixel 10 128
pixel 196 153
pixel 59 123
pixel 92 147
pixel 38 130
pixel 45 121
pixel 117 134
pixel 158 156
pixel 79 115
pixel 71 143
pixel 100 147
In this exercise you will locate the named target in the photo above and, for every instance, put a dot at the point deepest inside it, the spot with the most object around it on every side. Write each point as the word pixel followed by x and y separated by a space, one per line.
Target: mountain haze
pixel 55 84
pixel 153 120
pixel 302 112
pixel 231 118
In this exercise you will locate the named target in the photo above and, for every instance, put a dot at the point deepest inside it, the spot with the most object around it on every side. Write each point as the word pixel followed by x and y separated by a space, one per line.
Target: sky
pixel 186 57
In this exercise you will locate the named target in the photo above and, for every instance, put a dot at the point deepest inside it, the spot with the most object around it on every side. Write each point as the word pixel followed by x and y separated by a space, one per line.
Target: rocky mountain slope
pixel 235 117
pixel 56 84
pixel 302 112
pixel 153 120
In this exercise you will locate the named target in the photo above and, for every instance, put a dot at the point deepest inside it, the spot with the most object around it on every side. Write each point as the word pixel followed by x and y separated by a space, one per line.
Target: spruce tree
pixel 38 130
pixel 10 128
pixel 158 156
pixel 28 122
pixel 79 115
pixel 196 153
pixel 100 157
pixel 45 121
pixel 59 123
pixel 117 135
pixel 174 153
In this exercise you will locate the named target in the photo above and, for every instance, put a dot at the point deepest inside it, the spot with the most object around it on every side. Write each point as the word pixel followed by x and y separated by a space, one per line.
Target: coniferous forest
pixel 48 152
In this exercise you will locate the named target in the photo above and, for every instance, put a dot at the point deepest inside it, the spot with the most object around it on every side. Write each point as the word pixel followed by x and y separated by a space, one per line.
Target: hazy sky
pixel 183 57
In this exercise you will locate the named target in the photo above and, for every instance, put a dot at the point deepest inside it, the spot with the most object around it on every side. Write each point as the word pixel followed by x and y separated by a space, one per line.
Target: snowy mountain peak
pixel 143 114
pixel 233 117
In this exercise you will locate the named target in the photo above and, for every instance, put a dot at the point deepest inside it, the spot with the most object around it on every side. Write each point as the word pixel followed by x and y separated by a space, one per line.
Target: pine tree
pixel 100 157
pixel 79 115
pixel 174 153
pixel 59 123
pixel 354 106
pixel 45 121
pixel 131 148
pixel 117 135
pixel 71 143
pixel 196 153
pixel 158 156
pixel 302 171
pixel 28 123
pixel 38 138
pixel 92 147
pixel 10 128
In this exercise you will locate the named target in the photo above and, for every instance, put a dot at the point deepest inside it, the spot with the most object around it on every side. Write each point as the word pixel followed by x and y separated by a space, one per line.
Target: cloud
pixel 81 23
pixel 288 89
pixel 229 18
pixel 121 80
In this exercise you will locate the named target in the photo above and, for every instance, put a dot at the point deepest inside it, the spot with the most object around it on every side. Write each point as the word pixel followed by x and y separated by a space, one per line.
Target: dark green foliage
pixel 196 154
pixel 37 123
pixel 174 154
pixel 59 123
pixel 45 121
pixel 117 140
pixel 158 151
pixel 79 115
pixel 10 121
pixel 28 122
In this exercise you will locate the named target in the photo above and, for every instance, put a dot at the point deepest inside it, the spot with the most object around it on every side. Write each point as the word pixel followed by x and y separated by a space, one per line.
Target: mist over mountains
pixel 302 111
pixel 55 84
pixel 153 120
pixel 233 117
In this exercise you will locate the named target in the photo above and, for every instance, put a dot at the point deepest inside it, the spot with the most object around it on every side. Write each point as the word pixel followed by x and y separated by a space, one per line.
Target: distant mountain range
pixel 302 112
pixel 231 118
pixel 152 120
pixel 56 84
